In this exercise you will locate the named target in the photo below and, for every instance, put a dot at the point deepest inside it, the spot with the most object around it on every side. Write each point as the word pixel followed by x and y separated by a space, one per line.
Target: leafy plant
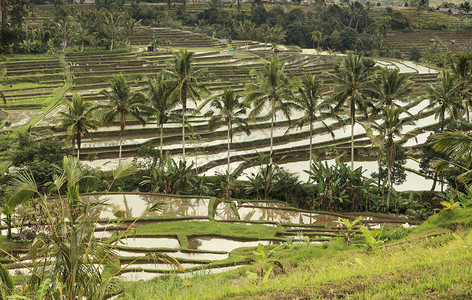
pixel 372 238
pixel 264 265
pixel 348 228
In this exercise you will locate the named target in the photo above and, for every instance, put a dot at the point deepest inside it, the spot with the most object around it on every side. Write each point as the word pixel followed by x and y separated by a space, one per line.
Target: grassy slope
pixel 429 263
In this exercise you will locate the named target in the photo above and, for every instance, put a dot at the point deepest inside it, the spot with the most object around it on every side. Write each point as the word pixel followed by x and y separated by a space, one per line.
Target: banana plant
pixel 264 265
pixel 372 238
pixel 348 228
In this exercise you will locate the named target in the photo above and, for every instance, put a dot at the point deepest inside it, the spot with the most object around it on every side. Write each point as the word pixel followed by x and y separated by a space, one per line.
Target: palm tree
pixel 122 103
pixel 273 87
pixel 353 81
pixel 186 84
pixel 444 97
pixel 111 25
pixel 393 86
pixel 159 99
pixel 392 126
pixel 129 26
pixel 231 111
pixel 461 64
pixel 456 145
pixel 77 119
pixel 316 36
pixel 246 29
pixel 311 103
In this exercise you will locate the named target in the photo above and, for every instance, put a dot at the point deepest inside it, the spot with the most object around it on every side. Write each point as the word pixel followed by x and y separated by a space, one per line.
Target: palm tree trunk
pixel 111 45
pixel 352 142
pixel 229 146
pixel 78 145
pixel 8 226
pixel 162 143
pixel 122 131
pixel 83 46
pixel 184 110
pixel 389 179
pixel 435 180
pixel 271 132
pixel 311 142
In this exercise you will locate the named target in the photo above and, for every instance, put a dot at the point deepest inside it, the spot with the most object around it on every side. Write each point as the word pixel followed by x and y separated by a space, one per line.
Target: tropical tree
pixel 352 84
pixel 186 84
pixel 123 103
pixel 390 128
pixel 4 6
pixel 68 261
pixel 316 36
pixel 246 29
pixel 77 119
pixel 444 98
pixel 457 146
pixel 129 27
pixel 393 86
pixel 461 65
pixel 231 111
pixel 159 100
pixel 309 100
pixel 111 25
pixel 273 88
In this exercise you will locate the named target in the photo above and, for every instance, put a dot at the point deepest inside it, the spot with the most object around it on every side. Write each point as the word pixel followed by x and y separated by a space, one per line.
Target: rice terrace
pixel 235 149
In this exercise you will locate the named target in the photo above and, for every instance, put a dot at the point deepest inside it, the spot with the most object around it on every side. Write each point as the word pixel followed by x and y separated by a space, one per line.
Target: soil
pixel 20 117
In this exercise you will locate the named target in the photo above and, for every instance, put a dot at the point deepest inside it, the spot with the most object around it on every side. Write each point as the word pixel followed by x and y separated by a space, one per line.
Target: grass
pixel 419 265
pixel 254 231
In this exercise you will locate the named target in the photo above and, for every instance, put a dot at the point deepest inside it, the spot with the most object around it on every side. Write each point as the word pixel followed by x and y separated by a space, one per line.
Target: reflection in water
pixel 143 275
pixel 222 244
pixel 140 242
pixel 224 211
pixel 135 205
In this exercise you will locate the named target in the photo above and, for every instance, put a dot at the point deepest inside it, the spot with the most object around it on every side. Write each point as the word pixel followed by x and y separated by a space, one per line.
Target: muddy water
pixel 160 267
pixel 222 244
pixel 143 275
pixel 20 117
pixel 178 254
pixel 135 205
pixel 140 242
pixel 285 216
pixel 224 211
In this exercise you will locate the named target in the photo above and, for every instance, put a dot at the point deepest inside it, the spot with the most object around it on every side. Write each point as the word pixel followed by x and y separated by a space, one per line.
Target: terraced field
pixel 31 82
pixel 92 71
pixel 454 41
pixel 162 232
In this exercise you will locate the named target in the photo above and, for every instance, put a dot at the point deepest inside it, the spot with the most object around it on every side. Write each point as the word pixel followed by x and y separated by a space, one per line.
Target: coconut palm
pixel 123 103
pixel 186 84
pixel 310 101
pixel 245 29
pixel 390 128
pixel 159 100
pixel 457 146
pixel 231 111
pixel 273 88
pixel 393 86
pixel 461 64
pixel 444 98
pixel 77 119
pixel 112 25
pixel 316 36
pixel 352 84
pixel 129 26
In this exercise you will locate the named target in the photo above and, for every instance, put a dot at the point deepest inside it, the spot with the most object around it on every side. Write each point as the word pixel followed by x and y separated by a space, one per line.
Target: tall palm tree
pixel 461 64
pixel 186 84
pixel 112 25
pixel 273 88
pixel 129 26
pixel 310 101
pixel 352 84
pixel 246 30
pixel 159 100
pixel 123 103
pixel 231 111
pixel 77 119
pixel 391 127
pixel 444 98
pixel 393 86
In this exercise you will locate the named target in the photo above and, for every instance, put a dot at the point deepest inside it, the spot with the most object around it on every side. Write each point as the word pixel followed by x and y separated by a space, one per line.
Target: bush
pixel 415 54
